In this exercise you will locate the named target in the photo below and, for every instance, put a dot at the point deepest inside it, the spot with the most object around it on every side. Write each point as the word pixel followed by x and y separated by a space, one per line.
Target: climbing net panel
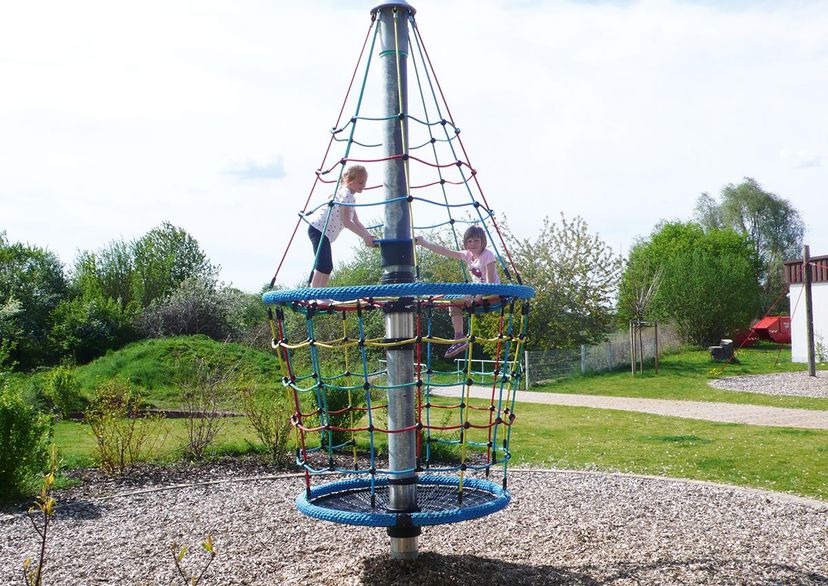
pixel 338 385
pixel 335 359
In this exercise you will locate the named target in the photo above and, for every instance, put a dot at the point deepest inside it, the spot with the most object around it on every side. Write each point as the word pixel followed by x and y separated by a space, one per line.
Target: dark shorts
pixel 324 263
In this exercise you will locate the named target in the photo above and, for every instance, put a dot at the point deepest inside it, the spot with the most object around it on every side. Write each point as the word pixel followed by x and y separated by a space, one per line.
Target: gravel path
pixel 704 410
pixel 780 383
pixel 561 528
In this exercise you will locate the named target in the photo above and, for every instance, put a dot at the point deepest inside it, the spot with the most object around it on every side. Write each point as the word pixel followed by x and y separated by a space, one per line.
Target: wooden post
pixel 640 328
pixel 632 349
pixel 809 310
pixel 526 369
pixel 655 325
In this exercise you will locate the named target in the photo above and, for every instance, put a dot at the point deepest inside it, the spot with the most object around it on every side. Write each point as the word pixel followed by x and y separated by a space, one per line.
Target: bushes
pixel 269 415
pixel 62 392
pixel 123 436
pixel 24 436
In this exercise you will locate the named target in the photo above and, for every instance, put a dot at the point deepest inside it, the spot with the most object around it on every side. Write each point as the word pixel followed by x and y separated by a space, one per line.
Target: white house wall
pixel 819 297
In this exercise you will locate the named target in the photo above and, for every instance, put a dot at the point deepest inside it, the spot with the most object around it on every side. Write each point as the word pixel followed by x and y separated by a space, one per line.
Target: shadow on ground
pixel 436 569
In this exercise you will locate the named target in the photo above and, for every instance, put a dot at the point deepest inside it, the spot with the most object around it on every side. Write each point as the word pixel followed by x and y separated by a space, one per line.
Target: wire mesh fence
pixel 543 366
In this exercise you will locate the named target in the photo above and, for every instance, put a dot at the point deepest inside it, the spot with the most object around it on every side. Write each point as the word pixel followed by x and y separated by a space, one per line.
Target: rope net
pixel 443 191
pixel 331 359
pixel 333 354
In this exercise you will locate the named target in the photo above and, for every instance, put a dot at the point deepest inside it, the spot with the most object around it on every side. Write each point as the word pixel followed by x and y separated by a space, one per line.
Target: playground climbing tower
pixel 406 458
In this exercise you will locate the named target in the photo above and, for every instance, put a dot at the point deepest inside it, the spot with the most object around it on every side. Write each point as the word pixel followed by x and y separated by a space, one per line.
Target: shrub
pixel 269 415
pixel 24 436
pixel 204 390
pixel 123 434
pixel 62 392
pixel 85 328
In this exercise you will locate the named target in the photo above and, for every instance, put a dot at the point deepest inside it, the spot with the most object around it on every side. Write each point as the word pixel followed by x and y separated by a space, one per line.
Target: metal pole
pixel 809 310
pixel 397 262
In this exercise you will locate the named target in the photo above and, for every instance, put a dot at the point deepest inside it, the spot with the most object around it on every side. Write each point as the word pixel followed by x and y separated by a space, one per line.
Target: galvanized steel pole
pixel 397 262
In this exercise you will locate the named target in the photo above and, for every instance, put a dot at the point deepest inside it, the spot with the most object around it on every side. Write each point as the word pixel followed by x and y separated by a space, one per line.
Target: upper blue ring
pixel 398 290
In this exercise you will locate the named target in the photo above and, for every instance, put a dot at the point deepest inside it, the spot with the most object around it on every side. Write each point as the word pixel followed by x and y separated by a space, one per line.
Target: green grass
pixel 155 366
pixel 684 376
pixel 772 458
pixel 784 459
pixel 76 444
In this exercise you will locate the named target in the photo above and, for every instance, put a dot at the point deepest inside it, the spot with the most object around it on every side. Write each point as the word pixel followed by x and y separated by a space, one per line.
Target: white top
pixel 335 223
pixel 477 266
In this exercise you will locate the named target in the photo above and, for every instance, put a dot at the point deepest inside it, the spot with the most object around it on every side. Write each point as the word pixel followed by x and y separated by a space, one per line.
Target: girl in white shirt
pixel 341 216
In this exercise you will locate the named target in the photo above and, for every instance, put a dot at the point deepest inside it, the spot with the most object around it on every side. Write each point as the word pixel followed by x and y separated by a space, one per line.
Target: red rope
pixel 327 150
pixel 462 146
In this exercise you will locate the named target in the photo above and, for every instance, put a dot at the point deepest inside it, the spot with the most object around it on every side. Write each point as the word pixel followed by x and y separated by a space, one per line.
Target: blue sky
pixel 115 117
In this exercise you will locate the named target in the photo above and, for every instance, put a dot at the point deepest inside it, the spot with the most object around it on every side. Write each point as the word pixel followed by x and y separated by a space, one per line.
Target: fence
pixel 549 365
pixel 542 366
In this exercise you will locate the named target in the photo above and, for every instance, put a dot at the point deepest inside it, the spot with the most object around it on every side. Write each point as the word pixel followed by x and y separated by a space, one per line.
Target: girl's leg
pixel 324 261
pixel 457 321
pixel 319 279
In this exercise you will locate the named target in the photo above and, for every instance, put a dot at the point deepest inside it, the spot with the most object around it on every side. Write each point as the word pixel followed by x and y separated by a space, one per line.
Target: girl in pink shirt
pixel 482 266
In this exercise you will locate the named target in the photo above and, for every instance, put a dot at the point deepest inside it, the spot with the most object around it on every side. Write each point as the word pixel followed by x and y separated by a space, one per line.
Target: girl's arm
pixel 441 250
pixel 351 221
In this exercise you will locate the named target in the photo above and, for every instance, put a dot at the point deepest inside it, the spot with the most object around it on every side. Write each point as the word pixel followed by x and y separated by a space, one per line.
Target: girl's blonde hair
pixel 353 172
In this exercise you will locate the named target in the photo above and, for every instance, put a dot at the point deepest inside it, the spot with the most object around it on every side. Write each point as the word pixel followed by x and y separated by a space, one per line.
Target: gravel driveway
pixel 779 383
pixel 561 528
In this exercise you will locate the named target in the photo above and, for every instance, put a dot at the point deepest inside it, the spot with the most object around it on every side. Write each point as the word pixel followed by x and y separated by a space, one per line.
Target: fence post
pixel 526 369
pixel 583 358
pixel 609 355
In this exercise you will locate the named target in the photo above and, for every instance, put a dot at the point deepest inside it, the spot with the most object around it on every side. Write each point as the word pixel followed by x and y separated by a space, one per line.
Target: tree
pixel 771 223
pixel 708 284
pixel 32 284
pixel 163 258
pixel 575 276
pixel 109 271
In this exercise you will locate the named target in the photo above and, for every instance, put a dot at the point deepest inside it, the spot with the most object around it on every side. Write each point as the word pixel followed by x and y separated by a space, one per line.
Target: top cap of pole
pixel 402 4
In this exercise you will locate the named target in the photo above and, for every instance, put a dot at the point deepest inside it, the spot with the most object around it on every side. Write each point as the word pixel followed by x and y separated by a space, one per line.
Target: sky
pixel 116 117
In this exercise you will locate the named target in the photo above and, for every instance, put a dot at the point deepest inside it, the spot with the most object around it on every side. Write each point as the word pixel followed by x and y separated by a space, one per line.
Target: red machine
pixel 776 328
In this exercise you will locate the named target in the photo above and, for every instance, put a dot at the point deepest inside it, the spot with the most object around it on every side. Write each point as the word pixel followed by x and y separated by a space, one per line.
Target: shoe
pixel 323 302
pixel 456 349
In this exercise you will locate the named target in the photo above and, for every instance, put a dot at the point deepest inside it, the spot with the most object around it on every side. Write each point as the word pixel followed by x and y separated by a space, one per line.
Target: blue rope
pixel 396 290
pixel 380 518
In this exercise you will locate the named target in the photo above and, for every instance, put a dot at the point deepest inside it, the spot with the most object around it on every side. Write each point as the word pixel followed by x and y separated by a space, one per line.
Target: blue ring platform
pixel 349 502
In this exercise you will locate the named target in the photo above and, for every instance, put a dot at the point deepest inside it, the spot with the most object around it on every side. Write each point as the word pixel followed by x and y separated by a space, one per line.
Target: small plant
pixel 44 507
pixel 820 349
pixel 178 556
pixel 124 435
pixel 24 437
pixel 270 417
pixel 203 392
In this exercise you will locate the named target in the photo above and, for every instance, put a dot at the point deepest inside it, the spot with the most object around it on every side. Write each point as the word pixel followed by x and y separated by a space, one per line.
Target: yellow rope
pixel 377 343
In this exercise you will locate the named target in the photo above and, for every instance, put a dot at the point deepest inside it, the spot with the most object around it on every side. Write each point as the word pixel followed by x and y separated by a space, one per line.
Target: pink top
pixel 477 266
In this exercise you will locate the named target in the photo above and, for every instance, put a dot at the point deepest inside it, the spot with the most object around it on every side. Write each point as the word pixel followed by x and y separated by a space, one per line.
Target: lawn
pixel 773 458
pixel 684 376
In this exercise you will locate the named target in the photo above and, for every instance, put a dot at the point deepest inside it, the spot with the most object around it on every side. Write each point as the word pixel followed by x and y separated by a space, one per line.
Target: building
pixel 819 298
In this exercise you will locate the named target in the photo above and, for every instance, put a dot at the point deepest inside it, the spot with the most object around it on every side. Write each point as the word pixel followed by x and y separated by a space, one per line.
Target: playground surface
pixel 560 528
pixel 707 411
